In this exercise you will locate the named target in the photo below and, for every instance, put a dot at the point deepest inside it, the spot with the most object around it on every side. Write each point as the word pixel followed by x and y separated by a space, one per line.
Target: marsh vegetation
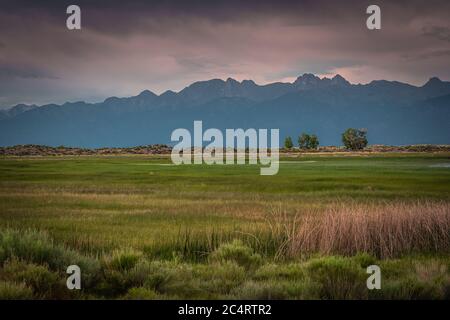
pixel 142 230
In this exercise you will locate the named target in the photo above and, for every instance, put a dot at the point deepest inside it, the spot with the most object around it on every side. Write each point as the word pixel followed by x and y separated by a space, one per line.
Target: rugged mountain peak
pixel 20 108
pixel 307 81
pixel 233 81
pixel 339 80
pixel 433 82
pixel 111 100
pixel 435 87
pixel 232 85
pixel 311 81
pixel 168 93
pixel 205 84
pixel 146 94
pixel 380 83
pixel 249 83
pixel 418 113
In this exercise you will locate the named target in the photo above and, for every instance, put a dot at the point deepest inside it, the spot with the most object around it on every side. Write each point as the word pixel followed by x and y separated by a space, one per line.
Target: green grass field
pixel 144 228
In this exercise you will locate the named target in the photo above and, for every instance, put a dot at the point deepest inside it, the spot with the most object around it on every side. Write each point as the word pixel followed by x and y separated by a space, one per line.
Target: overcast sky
pixel 125 47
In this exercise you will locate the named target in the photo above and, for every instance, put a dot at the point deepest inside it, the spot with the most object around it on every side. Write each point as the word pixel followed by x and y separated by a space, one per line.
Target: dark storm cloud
pixel 122 18
pixel 118 16
pixel 10 71
pixel 128 46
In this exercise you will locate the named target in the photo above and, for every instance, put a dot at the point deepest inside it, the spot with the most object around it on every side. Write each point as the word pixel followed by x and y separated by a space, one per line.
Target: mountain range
pixel 393 112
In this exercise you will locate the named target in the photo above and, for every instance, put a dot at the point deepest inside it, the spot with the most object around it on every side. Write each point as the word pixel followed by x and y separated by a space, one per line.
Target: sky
pixel 125 47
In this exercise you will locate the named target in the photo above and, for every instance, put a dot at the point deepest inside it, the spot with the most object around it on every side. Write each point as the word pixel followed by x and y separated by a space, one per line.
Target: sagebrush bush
pixel 36 247
pixel 123 271
pixel 140 272
pixel 293 271
pixel 160 275
pixel 414 278
pixel 407 289
pixel 43 282
pixel 338 277
pixel 220 279
pixel 303 289
pixel 364 259
pixel 33 246
pixel 124 260
pixel 236 252
pixel 233 271
pixel 14 291
pixel 140 293
pixel 264 290
pixel 174 278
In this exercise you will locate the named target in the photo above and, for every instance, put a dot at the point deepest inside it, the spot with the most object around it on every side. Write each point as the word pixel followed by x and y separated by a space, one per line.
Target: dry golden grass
pixel 385 230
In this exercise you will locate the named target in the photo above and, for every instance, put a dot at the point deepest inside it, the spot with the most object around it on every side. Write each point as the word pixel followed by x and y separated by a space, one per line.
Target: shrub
pixel 303 289
pixel 236 252
pixel 160 275
pixel 140 293
pixel 364 259
pixel 36 247
pixel 113 283
pixel 220 279
pixel 292 271
pixel 3 255
pixel 267 290
pixel 338 277
pixel 188 281
pixel 45 283
pixel 407 289
pixel 139 273
pixel 14 291
pixel 175 279
pixel 414 277
pixel 124 260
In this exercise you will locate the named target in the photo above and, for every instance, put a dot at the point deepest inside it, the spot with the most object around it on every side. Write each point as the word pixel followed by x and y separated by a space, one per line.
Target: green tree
pixel 306 141
pixel 313 142
pixel 288 143
pixel 355 139
pixel 303 141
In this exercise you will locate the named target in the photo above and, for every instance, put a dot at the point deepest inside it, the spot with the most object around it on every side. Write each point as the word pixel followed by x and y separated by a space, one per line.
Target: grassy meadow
pixel 141 228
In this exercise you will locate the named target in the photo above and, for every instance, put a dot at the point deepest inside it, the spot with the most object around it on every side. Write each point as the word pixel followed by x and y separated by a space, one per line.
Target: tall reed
pixel 386 230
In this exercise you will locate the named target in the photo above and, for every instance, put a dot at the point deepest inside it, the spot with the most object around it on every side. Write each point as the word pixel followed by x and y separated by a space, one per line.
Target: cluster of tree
pixel 305 141
pixel 353 139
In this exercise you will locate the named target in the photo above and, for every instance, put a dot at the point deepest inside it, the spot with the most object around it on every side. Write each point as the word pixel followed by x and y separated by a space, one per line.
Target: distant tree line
pixel 353 139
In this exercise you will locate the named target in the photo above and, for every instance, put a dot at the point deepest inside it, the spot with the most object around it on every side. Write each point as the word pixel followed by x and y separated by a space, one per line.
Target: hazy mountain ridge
pixel 394 113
